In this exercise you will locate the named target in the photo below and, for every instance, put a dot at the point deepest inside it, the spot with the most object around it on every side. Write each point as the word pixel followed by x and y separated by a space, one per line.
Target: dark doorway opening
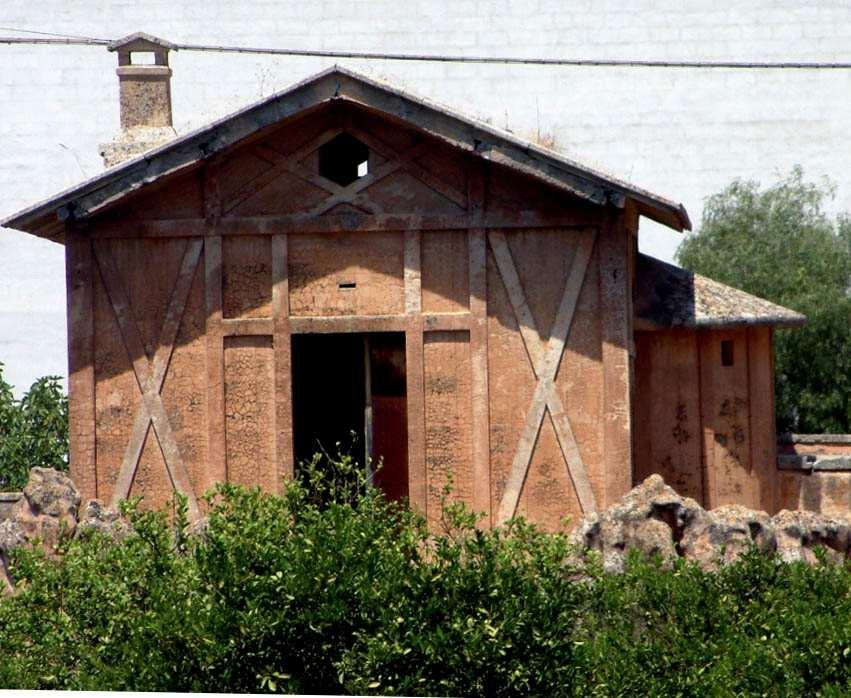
pixel 353 384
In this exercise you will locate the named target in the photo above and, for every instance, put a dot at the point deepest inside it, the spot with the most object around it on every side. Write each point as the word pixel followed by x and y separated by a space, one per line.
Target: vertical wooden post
pixel 615 318
pixel 632 221
pixel 480 423
pixel 479 374
pixel 762 429
pixel 367 407
pixel 705 354
pixel 283 360
pixel 216 446
pixel 213 331
pixel 417 476
pixel 771 407
pixel 81 372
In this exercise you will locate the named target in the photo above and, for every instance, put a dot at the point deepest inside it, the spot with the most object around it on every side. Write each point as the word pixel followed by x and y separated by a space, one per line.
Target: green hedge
pixel 330 589
pixel 33 430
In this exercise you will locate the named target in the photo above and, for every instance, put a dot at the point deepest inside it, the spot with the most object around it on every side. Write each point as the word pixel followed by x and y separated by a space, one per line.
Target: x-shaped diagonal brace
pixel 339 194
pixel 545 362
pixel 150 375
pixel 292 164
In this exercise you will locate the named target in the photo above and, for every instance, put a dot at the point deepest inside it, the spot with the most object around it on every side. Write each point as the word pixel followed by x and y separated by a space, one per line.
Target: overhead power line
pixel 74 37
pixel 65 42
pixel 443 58
pixel 438 58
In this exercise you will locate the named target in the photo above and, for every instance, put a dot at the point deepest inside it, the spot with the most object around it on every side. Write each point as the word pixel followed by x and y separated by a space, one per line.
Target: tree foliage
pixel 778 243
pixel 33 430
pixel 335 590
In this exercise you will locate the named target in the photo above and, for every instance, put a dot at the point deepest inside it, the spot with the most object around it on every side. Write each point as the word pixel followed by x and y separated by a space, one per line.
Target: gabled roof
pixel 44 219
pixel 140 38
pixel 668 297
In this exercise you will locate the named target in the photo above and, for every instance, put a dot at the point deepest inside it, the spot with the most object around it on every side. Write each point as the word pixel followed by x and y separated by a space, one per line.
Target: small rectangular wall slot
pixel 347 285
pixel 727 352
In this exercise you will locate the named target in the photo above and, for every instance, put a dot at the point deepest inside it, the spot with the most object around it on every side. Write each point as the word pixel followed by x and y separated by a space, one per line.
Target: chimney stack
pixel 144 81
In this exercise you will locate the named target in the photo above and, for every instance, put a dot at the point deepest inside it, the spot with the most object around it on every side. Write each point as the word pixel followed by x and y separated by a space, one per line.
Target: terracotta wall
pixel 706 427
pixel 182 303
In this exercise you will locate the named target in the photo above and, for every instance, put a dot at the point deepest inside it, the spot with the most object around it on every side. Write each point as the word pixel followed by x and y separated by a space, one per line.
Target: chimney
pixel 144 82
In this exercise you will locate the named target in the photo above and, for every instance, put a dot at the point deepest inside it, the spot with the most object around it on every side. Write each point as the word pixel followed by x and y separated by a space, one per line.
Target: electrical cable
pixel 440 58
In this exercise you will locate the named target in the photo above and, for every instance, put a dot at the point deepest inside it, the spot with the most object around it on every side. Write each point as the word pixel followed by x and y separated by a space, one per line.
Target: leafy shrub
pixel 33 430
pixel 331 589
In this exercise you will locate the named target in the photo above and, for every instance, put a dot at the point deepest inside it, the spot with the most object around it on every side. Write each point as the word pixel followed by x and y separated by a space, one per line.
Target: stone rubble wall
pixel 814 473
pixel 48 512
pixel 652 518
pixel 655 519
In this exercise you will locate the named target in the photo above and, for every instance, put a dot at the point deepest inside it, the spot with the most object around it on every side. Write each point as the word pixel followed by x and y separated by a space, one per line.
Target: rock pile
pixel 48 512
pixel 655 519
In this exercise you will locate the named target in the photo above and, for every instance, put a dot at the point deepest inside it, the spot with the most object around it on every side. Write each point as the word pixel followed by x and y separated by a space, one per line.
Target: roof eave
pixel 647 324
pixel 780 321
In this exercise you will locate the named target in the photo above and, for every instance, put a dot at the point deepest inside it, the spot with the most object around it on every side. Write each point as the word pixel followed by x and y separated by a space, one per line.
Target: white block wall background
pixel 681 132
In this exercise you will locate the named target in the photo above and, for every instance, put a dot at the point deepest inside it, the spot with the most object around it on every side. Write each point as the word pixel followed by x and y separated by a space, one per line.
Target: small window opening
pixel 142 58
pixel 726 352
pixel 346 285
pixel 343 159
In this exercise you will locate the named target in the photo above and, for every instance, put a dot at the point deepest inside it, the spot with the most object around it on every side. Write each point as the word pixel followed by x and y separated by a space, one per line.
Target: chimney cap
pixel 140 40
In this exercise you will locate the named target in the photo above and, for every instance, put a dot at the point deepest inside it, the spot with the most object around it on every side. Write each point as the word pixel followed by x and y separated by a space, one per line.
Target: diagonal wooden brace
pixel 150 375
pixel 545 361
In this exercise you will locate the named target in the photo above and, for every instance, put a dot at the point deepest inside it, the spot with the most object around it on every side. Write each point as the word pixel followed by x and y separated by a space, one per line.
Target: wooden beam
pixel 254 326
pixel 415 370
pixel 338 194
pixel 763 433
pixel 479 374
pixel 367 408
pixel 478 178
pixel 284 454
pixel 300 224
pixel 447 322
pixel 81 373
pixel 522 312
pixel 330 324
pixel 347 323
pixel 214 337
pixel 150 374
pixel 279 161
pixel 351 192
pixel 615 316
pixel 472 138
pixel 545 363
pixel 708 398
pixel 408 162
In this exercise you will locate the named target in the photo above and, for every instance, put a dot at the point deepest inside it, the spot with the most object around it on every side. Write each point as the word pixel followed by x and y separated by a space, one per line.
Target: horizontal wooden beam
pixel 237 327
pixel 446 322
pixel 347 323
pixel 354 222
pixel 435 322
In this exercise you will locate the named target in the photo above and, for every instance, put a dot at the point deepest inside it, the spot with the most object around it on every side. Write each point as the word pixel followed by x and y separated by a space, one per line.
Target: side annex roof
pixel 45 219
pixel 670 297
